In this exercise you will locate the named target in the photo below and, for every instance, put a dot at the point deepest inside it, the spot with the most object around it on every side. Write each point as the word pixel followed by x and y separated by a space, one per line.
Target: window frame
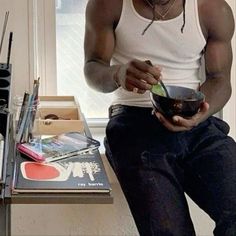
pixel 43 44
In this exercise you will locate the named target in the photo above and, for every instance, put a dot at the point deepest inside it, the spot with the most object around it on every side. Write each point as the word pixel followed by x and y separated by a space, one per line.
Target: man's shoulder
pixel 107 9
pixel 111 5
pixel 213 7
pixel 217 17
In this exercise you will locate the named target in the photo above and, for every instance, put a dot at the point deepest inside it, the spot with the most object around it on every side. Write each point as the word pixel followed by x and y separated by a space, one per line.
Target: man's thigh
pixel 150 177
pixel 210 175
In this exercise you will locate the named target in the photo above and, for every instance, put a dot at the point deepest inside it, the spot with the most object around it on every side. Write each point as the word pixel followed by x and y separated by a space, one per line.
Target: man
pixel 157 159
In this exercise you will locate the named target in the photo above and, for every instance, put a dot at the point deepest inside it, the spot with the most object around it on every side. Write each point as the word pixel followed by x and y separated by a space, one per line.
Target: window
pixel 70 21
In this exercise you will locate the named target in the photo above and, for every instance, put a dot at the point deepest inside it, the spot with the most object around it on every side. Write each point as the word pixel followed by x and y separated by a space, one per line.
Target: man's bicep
pixel 98 45
pixel 218 59
pixel 218 53
pixel 99 35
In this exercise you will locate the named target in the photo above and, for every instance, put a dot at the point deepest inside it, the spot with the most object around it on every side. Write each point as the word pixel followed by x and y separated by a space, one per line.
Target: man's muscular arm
pixel 99 43
pixel 218 19
pixel 102 16
pixel 218 25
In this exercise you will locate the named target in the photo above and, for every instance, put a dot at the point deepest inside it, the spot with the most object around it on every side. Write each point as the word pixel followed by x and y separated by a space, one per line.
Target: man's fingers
pixel 134 88
pixel 170 125
pixel 178 123
pixel 142 76
pixel 153 71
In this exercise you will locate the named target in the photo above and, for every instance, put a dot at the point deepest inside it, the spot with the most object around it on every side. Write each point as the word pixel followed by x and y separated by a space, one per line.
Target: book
pixel 57 147
pixel 84 173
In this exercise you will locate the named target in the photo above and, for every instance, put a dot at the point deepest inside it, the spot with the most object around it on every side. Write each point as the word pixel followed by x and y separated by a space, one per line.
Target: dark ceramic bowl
pixel 183 101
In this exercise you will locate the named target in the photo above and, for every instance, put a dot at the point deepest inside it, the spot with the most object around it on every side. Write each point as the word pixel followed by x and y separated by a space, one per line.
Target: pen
pixel 9 49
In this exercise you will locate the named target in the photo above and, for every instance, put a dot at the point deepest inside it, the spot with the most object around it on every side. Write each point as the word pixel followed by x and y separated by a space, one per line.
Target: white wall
pixel 229 112
pixel 18 24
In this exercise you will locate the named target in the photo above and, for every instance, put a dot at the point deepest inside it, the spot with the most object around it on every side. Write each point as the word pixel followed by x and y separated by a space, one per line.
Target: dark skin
pixel 217 24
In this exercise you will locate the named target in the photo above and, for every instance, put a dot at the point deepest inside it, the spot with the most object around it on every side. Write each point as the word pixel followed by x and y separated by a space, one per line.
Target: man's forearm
pixel 101 76
pixel 217 94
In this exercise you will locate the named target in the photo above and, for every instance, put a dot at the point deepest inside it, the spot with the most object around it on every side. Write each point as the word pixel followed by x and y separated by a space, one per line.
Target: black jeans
pixel 156 167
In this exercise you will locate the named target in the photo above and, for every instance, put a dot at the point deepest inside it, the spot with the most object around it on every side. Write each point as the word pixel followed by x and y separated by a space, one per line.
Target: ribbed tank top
pixel 179 54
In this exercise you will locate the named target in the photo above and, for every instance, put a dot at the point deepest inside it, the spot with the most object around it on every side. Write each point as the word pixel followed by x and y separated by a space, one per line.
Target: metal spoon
pixel 161 82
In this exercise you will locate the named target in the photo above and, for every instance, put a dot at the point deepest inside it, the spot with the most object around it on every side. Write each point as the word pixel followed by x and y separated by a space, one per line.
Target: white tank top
pixel 179 54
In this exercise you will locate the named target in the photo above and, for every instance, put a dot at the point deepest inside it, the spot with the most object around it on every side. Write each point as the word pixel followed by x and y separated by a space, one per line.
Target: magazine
pixel 58 147
pixel 83 173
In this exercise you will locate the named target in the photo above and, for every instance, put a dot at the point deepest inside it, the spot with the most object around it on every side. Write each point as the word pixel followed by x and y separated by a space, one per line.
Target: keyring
pixel 51 117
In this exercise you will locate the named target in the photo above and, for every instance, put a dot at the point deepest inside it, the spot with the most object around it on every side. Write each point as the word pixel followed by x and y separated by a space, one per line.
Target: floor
pixel 64 220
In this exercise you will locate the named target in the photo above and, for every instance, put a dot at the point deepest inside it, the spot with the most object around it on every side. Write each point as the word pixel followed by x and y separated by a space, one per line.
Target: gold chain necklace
pixel 166 12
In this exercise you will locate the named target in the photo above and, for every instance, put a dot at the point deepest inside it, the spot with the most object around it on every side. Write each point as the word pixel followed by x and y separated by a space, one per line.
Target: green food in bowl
pixel 157 89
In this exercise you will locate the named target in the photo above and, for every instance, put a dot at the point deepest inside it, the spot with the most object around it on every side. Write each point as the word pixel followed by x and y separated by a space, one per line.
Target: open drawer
pixel 58 114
